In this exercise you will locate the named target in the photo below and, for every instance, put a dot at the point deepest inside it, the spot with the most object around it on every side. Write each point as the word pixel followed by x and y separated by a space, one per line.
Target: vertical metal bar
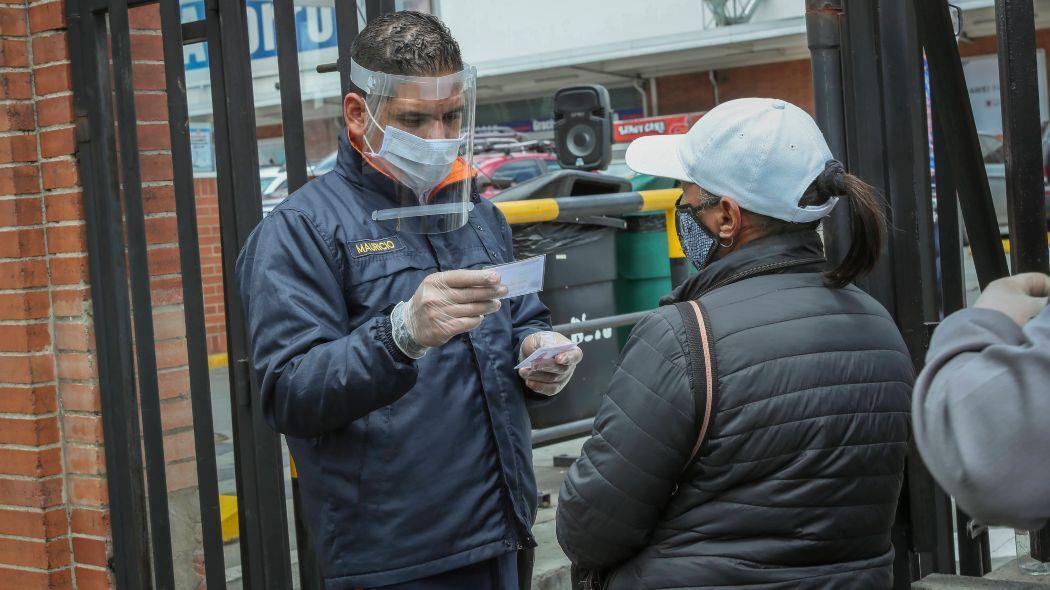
pixel 295 158
pixel 257 450
pixel 110 305
pixel 973 549
pixel 192 296
pixel 135 227
pixel 949 238
pixel 291 97
pixel 1018 76
pixel 975 554
pixel 955 115
pixel 908 184
pixel 346 31
pixel 374 8
pixel 865 140
pixel 824 25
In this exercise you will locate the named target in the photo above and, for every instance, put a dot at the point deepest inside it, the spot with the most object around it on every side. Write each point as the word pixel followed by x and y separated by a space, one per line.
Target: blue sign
pixel 314 29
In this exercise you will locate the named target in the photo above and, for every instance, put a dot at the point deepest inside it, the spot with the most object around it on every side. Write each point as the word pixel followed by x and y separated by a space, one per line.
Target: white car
pixel 276 190
pixel 995 166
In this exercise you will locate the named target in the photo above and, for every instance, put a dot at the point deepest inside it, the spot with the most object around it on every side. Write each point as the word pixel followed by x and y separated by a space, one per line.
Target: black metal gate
pixel 868 66
pixel 110 166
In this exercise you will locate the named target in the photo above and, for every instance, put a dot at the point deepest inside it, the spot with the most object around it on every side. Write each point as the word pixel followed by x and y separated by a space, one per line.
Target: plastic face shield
pixel 419 132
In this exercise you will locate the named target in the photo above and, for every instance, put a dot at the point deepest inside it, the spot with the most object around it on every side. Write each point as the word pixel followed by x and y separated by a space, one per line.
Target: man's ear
pixel 354 115
pixel 731 218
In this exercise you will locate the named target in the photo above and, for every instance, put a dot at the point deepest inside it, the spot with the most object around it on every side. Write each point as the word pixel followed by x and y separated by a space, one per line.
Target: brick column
pixel 54 511
pixel 35 513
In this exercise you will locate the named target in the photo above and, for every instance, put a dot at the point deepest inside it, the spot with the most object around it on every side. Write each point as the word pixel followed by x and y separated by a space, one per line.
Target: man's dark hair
pixel 408 43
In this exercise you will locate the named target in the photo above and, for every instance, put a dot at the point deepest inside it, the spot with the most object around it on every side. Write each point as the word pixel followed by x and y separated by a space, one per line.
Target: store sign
pixel 982 80
pixel 314 31
pixel 625 131
pixel 547 125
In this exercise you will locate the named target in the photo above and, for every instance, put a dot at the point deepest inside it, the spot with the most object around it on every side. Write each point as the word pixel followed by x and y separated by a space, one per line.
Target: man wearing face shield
pixel 382 348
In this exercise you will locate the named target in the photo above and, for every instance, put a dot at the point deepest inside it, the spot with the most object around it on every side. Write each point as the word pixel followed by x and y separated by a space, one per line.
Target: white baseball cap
pixel 761 152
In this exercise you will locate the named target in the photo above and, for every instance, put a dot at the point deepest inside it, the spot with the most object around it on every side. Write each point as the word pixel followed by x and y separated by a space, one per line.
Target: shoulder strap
pixel 701 366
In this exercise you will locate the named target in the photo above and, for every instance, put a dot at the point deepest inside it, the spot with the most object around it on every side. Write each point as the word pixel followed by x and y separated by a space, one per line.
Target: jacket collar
pixel 784 253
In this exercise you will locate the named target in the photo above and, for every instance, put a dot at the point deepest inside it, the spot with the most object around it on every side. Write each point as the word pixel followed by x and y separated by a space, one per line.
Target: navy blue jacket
pixel 407 468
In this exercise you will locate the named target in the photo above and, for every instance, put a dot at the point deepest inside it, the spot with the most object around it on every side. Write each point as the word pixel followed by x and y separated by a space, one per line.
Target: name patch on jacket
pixel 370 247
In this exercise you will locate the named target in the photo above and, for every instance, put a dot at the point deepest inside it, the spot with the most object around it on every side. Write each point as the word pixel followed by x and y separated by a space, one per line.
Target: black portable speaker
pixel 583 127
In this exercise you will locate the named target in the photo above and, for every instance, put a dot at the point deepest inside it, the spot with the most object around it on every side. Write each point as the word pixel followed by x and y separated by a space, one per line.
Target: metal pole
pixel 824 23
pixel 955 115
pixel 111 307
pixel 908 188
pixel 1018 80
pixel 265 554
pixel 192 296
pixel 346 32
pixel 141 300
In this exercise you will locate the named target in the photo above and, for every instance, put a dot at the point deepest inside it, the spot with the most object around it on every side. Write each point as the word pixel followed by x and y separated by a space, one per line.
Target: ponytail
pixel 867 222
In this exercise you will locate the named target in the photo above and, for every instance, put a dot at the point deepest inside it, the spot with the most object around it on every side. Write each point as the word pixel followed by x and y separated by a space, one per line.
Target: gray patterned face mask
pixel 698 243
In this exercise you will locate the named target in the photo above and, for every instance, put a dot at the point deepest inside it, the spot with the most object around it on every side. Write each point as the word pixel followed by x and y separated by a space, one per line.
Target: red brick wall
pixel 54 512
pixel 683 93
pixel 206 192
pixel 44 332
pixel 791 81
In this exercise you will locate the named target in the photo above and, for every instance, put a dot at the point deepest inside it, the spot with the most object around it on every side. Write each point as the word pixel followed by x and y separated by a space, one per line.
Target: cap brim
pixel 657 155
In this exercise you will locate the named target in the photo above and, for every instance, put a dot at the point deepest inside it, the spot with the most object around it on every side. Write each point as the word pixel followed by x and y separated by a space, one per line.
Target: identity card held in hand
pixel 546 353
pixel 521 277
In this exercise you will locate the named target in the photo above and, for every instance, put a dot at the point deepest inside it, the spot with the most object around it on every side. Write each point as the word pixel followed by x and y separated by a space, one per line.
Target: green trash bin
pixel 643 269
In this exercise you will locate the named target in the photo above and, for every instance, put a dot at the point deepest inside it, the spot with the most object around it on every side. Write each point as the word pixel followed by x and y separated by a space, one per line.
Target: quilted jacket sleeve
pixel 643 434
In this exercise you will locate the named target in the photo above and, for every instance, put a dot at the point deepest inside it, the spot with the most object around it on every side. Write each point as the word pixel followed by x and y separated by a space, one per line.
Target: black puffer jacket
pixel 796 485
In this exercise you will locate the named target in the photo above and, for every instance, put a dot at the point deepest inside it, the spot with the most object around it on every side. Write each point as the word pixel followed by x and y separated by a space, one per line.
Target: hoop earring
pixel 729 245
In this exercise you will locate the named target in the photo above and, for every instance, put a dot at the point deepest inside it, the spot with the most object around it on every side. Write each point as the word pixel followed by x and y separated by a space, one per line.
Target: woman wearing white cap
pixel 758 437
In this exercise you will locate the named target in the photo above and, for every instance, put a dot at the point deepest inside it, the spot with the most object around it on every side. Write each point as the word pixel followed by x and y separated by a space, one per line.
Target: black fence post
pixel 1018 75
pixel 955 115
pixel 96 153
pixel 824 27
pixel 265 552
pixel 192 295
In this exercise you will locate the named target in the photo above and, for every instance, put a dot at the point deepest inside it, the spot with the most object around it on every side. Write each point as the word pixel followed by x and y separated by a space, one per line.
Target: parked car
pixel 276 190
pixel 995 166
pixel 267 174
pixel 497 172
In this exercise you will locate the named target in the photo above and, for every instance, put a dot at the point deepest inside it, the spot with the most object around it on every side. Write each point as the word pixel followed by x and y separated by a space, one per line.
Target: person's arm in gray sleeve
pixel 315 373
pixel 981 413
pixel 614 495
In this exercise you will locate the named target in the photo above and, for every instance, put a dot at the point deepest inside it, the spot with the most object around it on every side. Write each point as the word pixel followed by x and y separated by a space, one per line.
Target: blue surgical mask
pixel 698 243
pixel 418 163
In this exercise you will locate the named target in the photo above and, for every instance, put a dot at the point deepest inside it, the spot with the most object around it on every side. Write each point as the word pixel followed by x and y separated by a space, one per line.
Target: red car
pixel 497 171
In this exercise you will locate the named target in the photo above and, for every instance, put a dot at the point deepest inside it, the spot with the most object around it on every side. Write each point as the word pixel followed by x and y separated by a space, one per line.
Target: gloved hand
pixel 1021 297
pixel 549 377
pixel 450 303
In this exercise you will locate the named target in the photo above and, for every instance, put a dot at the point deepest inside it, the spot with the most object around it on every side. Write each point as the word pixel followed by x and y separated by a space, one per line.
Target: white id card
pixel 521 277
pixel 546 353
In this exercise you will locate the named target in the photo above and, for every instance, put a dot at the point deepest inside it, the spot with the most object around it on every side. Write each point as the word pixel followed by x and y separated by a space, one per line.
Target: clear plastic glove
pixel 1022 297
pixel 448 304
pixel 549 377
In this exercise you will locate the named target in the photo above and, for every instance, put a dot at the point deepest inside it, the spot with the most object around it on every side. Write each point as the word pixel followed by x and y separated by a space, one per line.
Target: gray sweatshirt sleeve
pixel 982 415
